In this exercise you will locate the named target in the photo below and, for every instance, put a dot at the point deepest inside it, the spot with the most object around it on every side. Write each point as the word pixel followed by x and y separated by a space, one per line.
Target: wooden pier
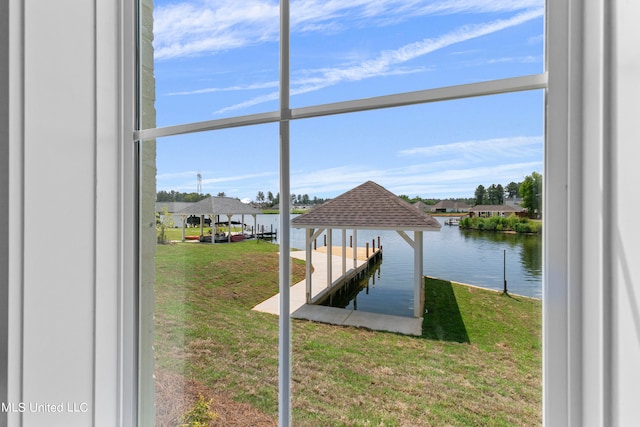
pixel 261 233
pixel 346 287
pixel 366 258
pixel 299 309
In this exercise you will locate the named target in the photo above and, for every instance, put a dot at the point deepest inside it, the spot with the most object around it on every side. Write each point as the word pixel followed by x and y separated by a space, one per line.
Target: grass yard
pixel 478 362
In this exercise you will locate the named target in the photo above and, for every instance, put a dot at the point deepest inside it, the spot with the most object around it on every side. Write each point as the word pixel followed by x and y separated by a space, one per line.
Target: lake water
pixel 472 257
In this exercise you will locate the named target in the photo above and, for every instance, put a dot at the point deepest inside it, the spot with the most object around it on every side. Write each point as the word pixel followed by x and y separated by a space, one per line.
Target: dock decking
pixel 338 316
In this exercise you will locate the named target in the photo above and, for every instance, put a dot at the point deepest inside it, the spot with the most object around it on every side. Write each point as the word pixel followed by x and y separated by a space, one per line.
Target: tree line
pixel 177 196
pixel 529 190
pixel 432 201
pixel 263 200
pixel 269 200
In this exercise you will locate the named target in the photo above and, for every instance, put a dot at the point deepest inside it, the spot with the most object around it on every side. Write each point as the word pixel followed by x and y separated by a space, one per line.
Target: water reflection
pixel 466 256
pixel 529 247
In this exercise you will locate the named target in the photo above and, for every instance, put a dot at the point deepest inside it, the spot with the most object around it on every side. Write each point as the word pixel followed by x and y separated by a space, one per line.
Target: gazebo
pixel 368 207
pixel 214 206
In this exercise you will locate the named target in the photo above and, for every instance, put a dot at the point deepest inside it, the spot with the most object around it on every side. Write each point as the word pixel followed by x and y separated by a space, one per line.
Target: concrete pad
pixel 385 322
pixel 359 319
pixel 320 313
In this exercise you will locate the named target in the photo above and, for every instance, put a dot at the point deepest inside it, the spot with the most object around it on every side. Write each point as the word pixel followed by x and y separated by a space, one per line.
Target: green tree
pixel 221 194
pixel 480 195
pixel 500 194
pixel 495 194
pixel 163 221
pixel 260 197
pixel 192 197
pixel 270 198
pixel 512 189
pixel 531 193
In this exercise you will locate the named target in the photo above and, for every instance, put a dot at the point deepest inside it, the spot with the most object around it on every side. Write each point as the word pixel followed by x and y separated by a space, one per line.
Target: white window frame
pixel 564 356
pixel 592 95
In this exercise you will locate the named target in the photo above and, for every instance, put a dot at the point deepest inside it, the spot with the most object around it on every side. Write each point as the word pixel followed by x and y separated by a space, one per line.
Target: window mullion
pixel 485 88
pixel 284 348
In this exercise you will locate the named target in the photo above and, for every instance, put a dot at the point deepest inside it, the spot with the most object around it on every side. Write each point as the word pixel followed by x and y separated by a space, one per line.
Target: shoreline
pixel 483 288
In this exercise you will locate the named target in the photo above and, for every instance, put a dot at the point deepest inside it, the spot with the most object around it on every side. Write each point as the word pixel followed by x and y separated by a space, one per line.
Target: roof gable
pixel 219 206
pixel 368 206
pixel 494 208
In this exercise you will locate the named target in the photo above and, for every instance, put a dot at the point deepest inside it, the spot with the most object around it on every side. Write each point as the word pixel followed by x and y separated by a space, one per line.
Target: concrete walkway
pixel 336 316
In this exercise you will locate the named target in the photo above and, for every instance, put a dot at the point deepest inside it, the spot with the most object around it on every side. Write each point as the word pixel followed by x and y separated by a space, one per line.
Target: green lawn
pixel 477 363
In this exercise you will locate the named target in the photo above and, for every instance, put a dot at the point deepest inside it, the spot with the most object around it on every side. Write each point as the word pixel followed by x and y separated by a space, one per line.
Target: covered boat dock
pixel 214 207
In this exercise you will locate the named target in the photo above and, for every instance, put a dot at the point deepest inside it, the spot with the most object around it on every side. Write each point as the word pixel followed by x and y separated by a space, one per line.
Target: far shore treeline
pixel 511 223
pixel 263 200
pixel 529 191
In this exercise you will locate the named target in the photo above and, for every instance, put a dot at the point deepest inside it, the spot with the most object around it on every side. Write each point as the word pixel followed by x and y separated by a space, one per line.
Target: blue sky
pixel 216 59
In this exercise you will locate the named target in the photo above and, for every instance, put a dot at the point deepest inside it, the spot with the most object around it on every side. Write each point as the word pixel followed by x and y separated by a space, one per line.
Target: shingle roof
pixel 495 208
pixel 218 205
pixel 368 206
pixel 450 204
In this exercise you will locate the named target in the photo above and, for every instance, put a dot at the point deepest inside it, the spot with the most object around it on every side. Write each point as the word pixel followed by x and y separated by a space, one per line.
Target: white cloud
pixel 211 26
pixel 218 180
pixel 176 175
pixel 514 147
pixel 255 86
pixel 423 179
pixel 516 59
pixel 387 61
pixel 186 180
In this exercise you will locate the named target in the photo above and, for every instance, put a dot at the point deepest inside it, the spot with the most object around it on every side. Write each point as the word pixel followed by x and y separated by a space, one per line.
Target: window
pixel 591 306
pixel 333 111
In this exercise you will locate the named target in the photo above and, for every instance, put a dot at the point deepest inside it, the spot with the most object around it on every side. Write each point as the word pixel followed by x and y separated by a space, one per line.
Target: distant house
pixel 421 206
pixel 445 206
pixel 485 211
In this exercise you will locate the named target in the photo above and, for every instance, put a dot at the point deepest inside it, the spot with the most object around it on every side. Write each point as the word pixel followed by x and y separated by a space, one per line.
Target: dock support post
pixel 418 291
pixel 328 244
pixel 355 248
pixel 344 251
pixel 308 266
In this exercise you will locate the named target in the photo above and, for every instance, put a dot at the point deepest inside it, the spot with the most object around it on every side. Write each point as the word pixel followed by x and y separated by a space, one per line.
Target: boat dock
pixel 366 258
pixel 299 309
pixel 453 221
